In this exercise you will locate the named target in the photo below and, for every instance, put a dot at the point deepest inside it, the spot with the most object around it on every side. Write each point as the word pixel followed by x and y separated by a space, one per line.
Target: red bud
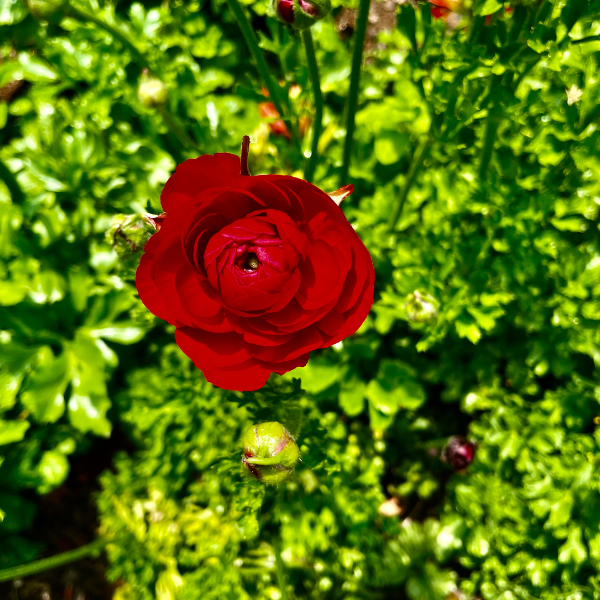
pixel 285 9
pixel 459 453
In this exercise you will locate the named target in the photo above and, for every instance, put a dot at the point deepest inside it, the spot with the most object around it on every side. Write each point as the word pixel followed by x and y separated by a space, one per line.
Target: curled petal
pixel 341 194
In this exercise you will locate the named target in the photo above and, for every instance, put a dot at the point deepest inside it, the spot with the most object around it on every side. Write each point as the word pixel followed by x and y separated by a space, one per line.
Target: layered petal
pixel 197 175
pixel 254 272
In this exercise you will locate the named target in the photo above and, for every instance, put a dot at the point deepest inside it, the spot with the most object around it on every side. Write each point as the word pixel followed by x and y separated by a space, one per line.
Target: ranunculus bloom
pixel 253 271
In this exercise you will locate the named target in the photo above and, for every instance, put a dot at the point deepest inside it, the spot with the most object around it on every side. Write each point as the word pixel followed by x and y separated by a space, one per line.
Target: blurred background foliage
pixel 477 193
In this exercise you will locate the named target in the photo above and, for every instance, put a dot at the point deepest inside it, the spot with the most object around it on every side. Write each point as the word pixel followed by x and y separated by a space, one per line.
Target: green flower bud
pixel 128 234
pixel 270 452
pixel 46 10
pixel 299 14
pixel 421 307
pixel 152 92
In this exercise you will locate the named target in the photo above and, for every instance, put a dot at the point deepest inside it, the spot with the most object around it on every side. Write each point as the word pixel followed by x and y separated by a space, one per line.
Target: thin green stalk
pixel 280 569
pixel 16 193
pixel 413 170
pixel 476 27
pixel 489 138
pixel 313 72
pixel 357 54
pixel 176 129
pixel 45 564
pixel 261 64
pixel 82 15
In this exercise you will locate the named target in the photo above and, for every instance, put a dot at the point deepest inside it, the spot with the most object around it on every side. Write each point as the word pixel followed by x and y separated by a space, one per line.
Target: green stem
pixel 44 564
pixel 477 25
pixel 313 72
pixel 16 193
pixel 82 15
pixel 489 137
pixel 176 129
pixel 261 64
pixel 280 568
pixel 413 170
pixel 361 29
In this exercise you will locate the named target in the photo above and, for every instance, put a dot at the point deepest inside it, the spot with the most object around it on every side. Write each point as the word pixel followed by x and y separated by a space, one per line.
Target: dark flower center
pixel 252 263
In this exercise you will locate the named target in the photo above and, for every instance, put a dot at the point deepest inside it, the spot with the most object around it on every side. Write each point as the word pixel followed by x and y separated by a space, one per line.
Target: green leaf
pixel 487 7
pixel 44 395
pixel 560 513
pixel 352 397
pixel 12 12
pixel 318 375
pixel 122 333
pixel 12 431
pixel 12 292
pixel 395 387
pixel 469 330
pixel 573 551
pixel 88 402
pixel 36 69
pixel 391 146
pixel 15 361
pixel 53 469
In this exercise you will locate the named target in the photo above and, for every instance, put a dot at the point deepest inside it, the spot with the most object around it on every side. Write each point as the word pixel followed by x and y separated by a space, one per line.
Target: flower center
pixel 252 263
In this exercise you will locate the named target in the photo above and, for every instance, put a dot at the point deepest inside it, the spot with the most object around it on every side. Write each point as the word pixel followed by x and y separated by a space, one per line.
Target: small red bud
pixel 285 9
pixel 459 452
pixel 308 8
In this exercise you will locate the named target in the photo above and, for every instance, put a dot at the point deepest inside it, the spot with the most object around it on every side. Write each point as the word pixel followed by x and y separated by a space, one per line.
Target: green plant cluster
pixel 477 192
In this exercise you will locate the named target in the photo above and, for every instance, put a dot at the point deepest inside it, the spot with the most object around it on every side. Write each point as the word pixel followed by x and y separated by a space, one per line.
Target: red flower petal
pixel 198 174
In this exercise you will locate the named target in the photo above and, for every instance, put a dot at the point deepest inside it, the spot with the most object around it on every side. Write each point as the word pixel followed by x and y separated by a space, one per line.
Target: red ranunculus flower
pixel 253 271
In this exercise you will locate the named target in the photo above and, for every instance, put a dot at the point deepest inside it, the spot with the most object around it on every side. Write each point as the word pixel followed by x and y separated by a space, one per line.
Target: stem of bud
pixel 244 156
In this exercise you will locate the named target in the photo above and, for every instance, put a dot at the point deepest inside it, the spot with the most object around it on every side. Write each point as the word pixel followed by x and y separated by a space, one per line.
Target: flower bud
pixel 459 453
pixel 299 14
pixel 128 234
pixel 270 452
pixel 46 10
pixel 152 92
pixel 421 307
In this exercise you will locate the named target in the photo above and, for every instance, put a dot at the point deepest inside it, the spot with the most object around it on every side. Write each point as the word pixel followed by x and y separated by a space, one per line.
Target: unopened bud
pixel 46 10
pixel 459 452
pixel 270 452
pixel 128 234
pixel 152 92
pixel 299 14
pixel 421 307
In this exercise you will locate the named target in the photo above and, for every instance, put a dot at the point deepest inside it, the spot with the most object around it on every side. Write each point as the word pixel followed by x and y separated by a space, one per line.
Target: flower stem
pixel 177 130
pixel 280 569
pixel 313 72
pixel 415 165
pixel 16 193
pixel 244 156
pixel 261 64
pixel 44 564
pixel 361 29
pixel 489 137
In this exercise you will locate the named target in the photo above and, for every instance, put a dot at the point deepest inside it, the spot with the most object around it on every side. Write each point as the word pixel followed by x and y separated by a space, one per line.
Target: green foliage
pixel 477 193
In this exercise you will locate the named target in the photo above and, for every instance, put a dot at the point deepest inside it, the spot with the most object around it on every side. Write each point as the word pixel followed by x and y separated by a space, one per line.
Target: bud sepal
pixel 270 452
pixel 128 234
